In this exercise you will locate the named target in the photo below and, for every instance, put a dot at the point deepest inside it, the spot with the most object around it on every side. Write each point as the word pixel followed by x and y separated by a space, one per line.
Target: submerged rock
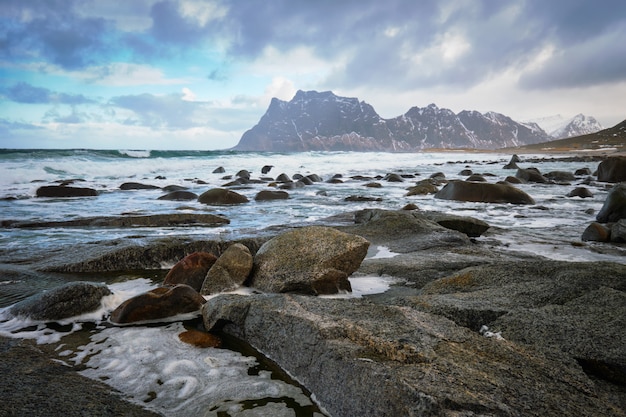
pixel 69 300
pixel 483 193
pixel 160 303
pixel 309 260
pixel 138 186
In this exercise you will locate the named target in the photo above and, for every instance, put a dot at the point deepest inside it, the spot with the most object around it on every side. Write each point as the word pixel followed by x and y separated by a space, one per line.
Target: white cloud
pixel 202 11
pixel 188 95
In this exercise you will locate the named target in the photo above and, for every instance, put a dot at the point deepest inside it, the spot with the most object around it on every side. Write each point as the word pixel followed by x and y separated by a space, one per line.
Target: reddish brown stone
pixel 191 270
pixel 200 339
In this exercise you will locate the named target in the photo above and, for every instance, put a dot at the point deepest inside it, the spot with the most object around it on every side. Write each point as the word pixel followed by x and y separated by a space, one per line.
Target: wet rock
pixel 614 207
pixel 309 260
pixel 393 178
pixel 366 359
pixel 582 172
pixel 618 231
pixel 314 178
pixel 470 226
pixel 63 191
pixel 612 169
pixel 265 195
pixel 138 186
pixel 71 299
pixel 512 163
pixel 179 196
pixel 466 172
pixel 244 173
pixel 266 169
pixel 582 192
pixel 483 192
pixel 174 187
pixel 361 198
pixel 373 185
pixel 191 270
pixel 530 175
pixel 513 180
pixel 229 271
pixel 560 176
pixel 200 339
pixel 439 176
pixel 476 178
pixel 160 303
pixel 423 187
pixel 221 196
pixel 219 170
pixel 596 232
pixel 410 206
pixel 154 220
pixel 283 178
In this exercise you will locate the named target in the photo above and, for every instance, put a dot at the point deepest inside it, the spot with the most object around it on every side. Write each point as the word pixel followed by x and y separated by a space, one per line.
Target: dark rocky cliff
pixel 322 121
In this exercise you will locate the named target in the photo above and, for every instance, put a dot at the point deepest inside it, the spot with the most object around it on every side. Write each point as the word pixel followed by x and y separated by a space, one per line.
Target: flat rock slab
pixel 361 358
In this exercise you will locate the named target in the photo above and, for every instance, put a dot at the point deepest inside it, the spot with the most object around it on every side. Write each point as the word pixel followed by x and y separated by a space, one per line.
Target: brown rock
pixel 158 304
pixel 596 232
pixel 230 270
pixel 191 270
pixel 221 196
pixel 200 339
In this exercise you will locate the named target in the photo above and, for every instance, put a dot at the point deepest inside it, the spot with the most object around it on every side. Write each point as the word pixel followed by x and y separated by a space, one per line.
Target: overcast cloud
pixel 207 69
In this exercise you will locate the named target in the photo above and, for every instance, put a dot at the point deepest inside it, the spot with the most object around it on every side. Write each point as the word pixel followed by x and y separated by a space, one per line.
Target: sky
pixel 196 74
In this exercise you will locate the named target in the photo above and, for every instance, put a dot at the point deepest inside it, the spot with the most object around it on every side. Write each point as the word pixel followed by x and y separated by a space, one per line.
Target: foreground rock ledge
pixel 361 358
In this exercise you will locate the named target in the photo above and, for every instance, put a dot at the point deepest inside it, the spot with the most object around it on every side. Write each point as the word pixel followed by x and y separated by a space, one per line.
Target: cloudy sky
pixel 196 74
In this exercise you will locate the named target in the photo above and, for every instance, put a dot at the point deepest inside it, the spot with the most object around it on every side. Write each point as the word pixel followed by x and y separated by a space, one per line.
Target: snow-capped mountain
pixel 323 121
pixel 559 127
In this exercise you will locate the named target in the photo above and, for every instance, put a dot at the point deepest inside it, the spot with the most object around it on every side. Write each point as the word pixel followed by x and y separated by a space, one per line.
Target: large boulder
pixel 69 300
pixel 266 195
pixel 614 207
pixel 364 359
pixel 596 232
pixel 618 231
pixel 158 304
pixel 612 169
pixel 309 260
pixel 530 175
pixel 230 270
pixel 483 193
pixel 221 196
pixel 191 270
pixel 63 191
pixel 179 195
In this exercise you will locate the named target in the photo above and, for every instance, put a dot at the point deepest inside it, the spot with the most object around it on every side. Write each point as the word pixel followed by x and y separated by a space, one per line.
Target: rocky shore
pixel 467 328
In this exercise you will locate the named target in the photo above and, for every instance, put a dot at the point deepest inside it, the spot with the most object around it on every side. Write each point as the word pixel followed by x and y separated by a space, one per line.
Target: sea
pixel 149 364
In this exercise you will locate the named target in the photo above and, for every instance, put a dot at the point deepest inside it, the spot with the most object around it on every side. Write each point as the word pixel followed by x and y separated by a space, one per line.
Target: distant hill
pixel 611 138
pixel 322 121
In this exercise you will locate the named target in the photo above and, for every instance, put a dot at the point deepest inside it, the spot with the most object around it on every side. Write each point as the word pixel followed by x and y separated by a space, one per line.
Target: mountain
pixel 322 121
pixel 606 139
pixel 559 127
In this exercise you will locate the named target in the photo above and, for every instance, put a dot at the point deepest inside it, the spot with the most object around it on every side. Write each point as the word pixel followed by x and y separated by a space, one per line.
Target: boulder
pixel 191 270
pixel 483 192
pixel 614 207
pixel 309 260
pixel 138 186
pixel 180 195
pixel 560 176
pixel 476 178
pixel 582 192
pixel 158 304
pixel 63 191
pixel 265 195
pixel 582 172
pixel 618 231
pixel 229 271
pixel 69 300
pixel 512 163
pixel 612 169
pixel 365 359
pixel 266 169
pixel 530 175
pixel 219 170
pixel 283 178
pixel 173 187
pixel 466 172
pixel 513 180
pixel 422 188
pixel 373 185
pixel 393 178
pixel 470 226
pixel 361 198
pixel 596 232
pixel 221 196
pixel 244 173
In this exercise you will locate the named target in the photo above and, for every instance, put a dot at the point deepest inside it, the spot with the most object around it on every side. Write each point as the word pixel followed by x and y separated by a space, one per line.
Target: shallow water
pixel 149 363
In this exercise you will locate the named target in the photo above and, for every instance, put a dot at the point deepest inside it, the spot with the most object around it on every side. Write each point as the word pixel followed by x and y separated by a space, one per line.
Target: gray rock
pixel 614 207
pixel 63 191
pixel 560 176
pixel 618 231
pixel 309 260
pixel 180 195
pixel 71 299
pixel 470 226
pixel 229 271
pixel 582 192
pixel 364 359
pixel 138 186
pixel 530 175
pixel 265 195
pixel 613 169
